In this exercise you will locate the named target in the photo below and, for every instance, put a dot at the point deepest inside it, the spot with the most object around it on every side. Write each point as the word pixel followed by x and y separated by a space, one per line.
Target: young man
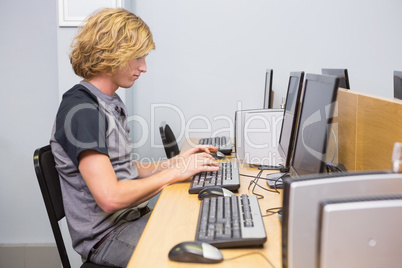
pixel 104 192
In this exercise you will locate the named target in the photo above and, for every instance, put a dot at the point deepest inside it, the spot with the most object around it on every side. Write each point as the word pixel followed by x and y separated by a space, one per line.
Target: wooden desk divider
pixel 367 127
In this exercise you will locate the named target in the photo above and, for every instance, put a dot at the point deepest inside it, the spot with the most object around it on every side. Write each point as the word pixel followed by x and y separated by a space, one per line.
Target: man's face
pixel 125 77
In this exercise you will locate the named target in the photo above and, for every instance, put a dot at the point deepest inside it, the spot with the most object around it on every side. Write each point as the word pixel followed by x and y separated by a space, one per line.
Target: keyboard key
pixel 227 176
pixel 228 222
pixel 223 143
pixel 248 220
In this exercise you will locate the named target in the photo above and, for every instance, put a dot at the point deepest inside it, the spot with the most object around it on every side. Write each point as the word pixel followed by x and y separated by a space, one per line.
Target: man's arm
pixel 112 195
pixel 147 169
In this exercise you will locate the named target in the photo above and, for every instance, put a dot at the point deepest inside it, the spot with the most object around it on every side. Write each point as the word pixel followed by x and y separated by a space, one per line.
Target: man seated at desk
pixel 104 191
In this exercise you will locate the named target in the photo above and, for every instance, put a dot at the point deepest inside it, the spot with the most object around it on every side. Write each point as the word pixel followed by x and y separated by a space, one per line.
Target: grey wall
pixel 222 48
pixel 28 70
pixel 203 47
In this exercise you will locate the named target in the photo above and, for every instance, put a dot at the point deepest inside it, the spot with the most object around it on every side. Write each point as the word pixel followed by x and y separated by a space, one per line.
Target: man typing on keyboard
pixel 104 192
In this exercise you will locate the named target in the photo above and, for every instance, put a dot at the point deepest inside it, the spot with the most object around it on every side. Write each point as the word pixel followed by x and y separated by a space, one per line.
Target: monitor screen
pixel 316 111
pixel 268 89
pixel 341 73
pixel 290 116
pixel 398 85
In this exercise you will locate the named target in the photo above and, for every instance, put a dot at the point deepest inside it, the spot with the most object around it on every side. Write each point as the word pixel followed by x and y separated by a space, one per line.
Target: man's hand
pixel 199 149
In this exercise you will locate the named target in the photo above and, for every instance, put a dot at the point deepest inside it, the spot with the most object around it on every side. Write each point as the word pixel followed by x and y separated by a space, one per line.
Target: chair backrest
pixel 49 184
pixel 168 140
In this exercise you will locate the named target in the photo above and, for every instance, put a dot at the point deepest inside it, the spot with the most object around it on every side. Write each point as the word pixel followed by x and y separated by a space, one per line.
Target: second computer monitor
pixel 268 96
pixel 398 85
pixel 312 133
pixel 341 73
pixel 290 116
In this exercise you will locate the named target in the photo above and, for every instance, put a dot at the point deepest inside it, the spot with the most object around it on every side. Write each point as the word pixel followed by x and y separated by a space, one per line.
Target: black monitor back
pixel 341 73
pixel 398 85
pixel 268 97
pixel 312 133
pixel 290 116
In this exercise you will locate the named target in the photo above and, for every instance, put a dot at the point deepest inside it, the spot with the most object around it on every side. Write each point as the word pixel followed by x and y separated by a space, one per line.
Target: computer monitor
pixel 301 203
pixel 257 134
pixel 290 116
pixel 312 133
pixel 398 85
pixel 239 128
pixel 268 97
pixel 363 241
pixel 341 73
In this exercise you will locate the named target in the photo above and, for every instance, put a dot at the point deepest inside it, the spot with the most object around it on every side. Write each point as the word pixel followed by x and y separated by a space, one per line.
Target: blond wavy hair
pixel 108 40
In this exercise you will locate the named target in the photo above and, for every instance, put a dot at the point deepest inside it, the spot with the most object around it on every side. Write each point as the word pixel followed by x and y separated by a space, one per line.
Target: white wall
pixel 223 47
pixel 28 71
pixel 219 47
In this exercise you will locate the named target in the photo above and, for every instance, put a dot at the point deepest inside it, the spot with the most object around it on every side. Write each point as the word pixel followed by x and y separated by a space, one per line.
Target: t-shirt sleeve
pixel 81 125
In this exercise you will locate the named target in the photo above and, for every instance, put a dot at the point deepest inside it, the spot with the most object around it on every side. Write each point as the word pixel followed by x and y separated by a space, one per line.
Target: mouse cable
pixel 251 253
pixel 272 211
pixel 252 176
pixel 255 182
pixel 266 179
pixel 269 190
pixel 245 175
pixel 255 178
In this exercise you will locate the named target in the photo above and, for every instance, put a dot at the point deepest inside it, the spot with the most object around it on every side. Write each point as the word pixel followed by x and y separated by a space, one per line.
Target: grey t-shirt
pixel 89 119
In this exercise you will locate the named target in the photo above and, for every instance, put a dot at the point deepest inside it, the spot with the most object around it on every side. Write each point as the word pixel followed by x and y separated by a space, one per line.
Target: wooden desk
pixel 174 220
pixel 367 128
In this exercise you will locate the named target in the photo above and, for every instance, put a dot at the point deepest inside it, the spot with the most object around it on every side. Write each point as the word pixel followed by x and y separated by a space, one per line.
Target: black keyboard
pixel 231 221
pixel 227 177
pixel 223 143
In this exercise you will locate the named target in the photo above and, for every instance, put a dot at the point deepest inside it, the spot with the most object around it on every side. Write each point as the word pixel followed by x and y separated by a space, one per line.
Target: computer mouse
pixel 218 155
pixel 213 191
pixel 195 252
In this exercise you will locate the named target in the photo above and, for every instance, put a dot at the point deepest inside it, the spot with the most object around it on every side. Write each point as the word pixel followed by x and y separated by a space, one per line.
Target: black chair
pixel 49 183
pixel 168 140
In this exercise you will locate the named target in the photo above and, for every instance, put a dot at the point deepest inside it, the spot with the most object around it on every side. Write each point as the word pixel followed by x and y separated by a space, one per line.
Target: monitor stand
pixel 275 180
pixel 335 168
pixel 266 167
